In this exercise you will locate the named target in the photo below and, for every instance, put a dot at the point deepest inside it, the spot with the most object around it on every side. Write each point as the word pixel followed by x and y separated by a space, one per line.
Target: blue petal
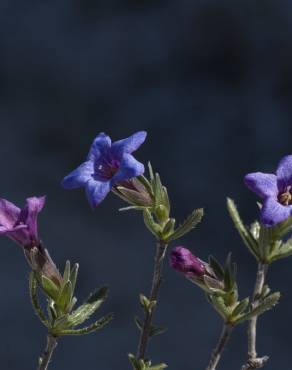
pixel 284 172
pixel 79 177
pixel 273 212
pixel 263 184
pixel 128 145
pixel 129 168
pixel 96 191
pixel 100 146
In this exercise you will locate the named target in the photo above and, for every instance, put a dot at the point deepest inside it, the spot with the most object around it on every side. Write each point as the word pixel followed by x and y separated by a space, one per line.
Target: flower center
pixel 285 198
pixel 105 170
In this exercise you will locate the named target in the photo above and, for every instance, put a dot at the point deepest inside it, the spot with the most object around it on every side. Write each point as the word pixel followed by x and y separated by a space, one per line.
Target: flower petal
pixel 29 214
pixel 129 168
pixel 79 176
pixel 9 213
pixel 100 146
pixel 96 191
pixel 273 212
pixel 128 145
pixel 284 172
pixel 263 184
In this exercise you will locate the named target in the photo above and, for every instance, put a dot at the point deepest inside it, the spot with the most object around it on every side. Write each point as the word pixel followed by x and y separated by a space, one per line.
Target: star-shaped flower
pixel 108 164
pixel 275 190
pixel 20 225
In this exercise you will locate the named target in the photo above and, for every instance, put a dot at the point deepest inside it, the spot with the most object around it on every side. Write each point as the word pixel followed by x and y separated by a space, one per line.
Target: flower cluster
pixel 110 166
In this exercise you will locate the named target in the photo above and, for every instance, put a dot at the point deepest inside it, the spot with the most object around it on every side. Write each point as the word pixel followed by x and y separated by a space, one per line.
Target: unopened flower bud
pixel 182 260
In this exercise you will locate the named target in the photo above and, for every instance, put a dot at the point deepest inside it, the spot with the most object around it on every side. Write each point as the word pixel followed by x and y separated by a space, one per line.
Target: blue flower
pixel 108 164
pixel 275 190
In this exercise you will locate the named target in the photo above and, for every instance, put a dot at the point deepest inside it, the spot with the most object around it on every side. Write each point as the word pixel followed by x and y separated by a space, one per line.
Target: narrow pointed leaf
pixel 50 287
pixel 99 324
pixel 190 223
pixel 34 299
pixel 67 271
pixel 266 304
pixel 73 276
pixel 245 234
pixel 241 307
pixel 83 312
pixel 152 226
pixel 216 267
pixel 65 297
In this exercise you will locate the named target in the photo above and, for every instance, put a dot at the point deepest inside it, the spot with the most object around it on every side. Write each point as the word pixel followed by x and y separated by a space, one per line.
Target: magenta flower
pixel 20 225
pixel 275 190
pixel 182 260
pixel 108 164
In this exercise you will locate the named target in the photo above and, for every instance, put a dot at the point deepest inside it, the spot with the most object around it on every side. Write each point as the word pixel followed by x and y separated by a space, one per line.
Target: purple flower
pixel 20 225
pixel 275 190
pixel 182 260
pixel 108 164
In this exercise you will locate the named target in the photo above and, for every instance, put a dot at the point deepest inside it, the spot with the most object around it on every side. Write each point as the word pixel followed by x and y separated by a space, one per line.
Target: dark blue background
pixel 211 82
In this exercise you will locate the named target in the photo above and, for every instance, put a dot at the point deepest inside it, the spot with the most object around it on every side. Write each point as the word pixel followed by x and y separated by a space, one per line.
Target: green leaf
pixel 229 274
pixel 151 173
pixel 158 190
pixel 73 276
pixel 219 305
pixel 99 324
pixel 216 267
pixel 190 223
pixel 50 288
pixel 66 275
pixel 64 300
pixel 138 323
pixel 158 367
pixel 168 228
pixel 245 234
pixel 34 299
pixel 156 330
pixel 152 226
pixel 165 198
pixel 134 361
pixel 266 304
pixel 83 312
pixel 241 307
pixel 285 250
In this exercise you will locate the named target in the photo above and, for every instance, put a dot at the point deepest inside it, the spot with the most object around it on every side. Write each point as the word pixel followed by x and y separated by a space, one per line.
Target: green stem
pixel 47 355
pixel 156 281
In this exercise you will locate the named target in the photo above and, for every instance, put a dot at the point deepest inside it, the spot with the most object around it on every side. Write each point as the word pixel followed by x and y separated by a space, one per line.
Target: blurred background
pixel 211 82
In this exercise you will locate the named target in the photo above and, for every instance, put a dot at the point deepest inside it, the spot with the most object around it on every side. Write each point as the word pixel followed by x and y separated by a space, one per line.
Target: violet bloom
pixel 275 190
pixel 108 164
pixel 182 260
pixel 20 225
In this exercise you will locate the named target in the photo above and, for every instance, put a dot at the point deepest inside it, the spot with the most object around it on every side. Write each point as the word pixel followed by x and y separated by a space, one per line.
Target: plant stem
pixel 217 352
pixel 156 281
pixel 47 355
pixel 253 361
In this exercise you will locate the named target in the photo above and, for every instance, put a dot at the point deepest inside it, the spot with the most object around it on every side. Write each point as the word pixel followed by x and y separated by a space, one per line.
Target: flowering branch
pixel 216 354
pixel 266 244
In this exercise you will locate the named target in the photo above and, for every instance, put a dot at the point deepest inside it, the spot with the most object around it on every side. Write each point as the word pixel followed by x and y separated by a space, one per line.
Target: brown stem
pixel 156 281
pixel 254 362
pixel 47 355
pixel 217 352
